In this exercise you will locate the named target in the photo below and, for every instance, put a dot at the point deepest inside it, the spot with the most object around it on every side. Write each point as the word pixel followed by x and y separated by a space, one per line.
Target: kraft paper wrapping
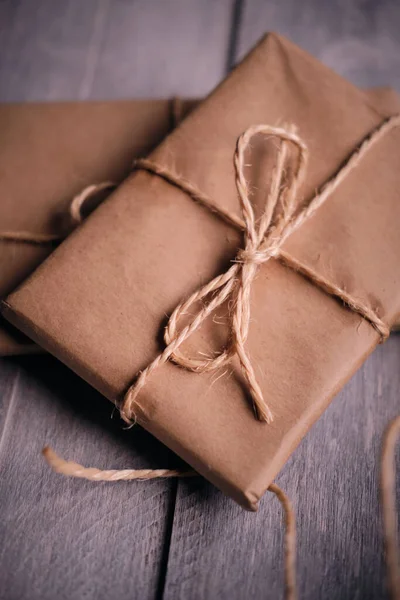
pixel 100 301
pixel 61 148
pixel 49 152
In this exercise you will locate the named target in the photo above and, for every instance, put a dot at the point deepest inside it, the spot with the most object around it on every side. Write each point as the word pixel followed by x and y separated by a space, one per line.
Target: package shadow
pixel 79 399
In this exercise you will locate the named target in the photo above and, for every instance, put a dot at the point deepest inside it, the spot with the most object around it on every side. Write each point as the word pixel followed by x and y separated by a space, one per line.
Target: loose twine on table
pixel 388 502
pixel 73 469
pixel 262 241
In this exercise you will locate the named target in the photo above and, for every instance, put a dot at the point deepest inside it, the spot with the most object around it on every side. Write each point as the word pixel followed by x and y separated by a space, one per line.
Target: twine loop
pixel 75 215
pixel 263 240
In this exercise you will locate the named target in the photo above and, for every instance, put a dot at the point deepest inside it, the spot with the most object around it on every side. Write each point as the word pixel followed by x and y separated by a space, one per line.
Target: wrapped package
pixel 79 144
pixel 318 304
pixel 49 152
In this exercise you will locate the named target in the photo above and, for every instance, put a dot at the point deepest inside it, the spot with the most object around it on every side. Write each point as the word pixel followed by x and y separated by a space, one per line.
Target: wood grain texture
pixel 67 538
pixel 359 39
pixel 217 550
pixel 102 49
pixel 152 48
pixel 45 48
pixel 71 539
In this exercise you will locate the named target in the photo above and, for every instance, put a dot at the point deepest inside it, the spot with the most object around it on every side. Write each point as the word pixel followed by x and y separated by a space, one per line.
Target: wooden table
pixel 71 539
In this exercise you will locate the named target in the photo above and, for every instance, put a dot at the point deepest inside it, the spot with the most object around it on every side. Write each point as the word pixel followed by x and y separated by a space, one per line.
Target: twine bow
pixel 262 241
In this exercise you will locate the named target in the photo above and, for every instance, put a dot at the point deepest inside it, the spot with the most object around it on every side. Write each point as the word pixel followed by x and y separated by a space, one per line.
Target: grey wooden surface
pixel 62 538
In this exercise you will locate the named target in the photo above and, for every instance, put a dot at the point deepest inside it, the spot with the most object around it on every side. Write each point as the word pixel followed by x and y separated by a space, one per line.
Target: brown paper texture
pixel 76 141
pixel 49 153
pixel 100 301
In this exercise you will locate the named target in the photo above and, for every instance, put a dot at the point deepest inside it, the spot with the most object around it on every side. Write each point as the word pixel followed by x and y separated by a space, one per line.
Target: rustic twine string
pixel 388 499
pixel 75 214
pixel 88 192
pixel 262 241
pixel 74 469
pixel 77 203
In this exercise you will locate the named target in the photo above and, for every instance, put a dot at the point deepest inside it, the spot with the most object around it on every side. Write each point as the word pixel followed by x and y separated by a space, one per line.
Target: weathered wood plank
pixel 169 48
pixel 217 550
pixel 357 39
pixel 46 48
pixel 101 49
pixel 69 538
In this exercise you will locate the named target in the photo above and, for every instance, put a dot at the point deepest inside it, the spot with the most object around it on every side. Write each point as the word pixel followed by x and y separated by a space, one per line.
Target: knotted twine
pixel 262 241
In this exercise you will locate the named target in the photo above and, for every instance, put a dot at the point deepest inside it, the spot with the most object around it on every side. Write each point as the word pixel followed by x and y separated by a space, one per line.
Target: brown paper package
pixel 49 153
pixel 99 302
pixel 63 147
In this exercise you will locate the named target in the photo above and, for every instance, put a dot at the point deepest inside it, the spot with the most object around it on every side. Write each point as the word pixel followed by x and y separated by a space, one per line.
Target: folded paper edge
pixel 248 499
